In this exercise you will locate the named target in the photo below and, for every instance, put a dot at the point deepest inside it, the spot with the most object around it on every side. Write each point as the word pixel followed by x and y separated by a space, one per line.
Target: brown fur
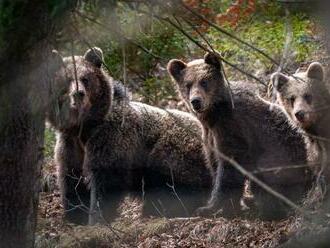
pixel 306 100
pixel 249 132
pixel 125 146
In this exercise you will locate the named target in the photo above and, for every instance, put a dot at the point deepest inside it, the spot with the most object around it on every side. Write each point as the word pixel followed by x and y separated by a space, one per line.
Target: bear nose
pixel 300 115
pixel 78 95
pixel 196 103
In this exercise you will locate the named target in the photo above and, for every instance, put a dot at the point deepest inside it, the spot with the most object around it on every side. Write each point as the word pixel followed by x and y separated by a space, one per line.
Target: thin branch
pixel 74 66
pixel 228 33
pixel 175 193
pixel 279 168
pixel 198 32
pixel 324 163
pixel 158 211
pixel 320 138
pixel 82 39
pixel 81 205
pixel 168 20
pixel 234 37
pixel 106 222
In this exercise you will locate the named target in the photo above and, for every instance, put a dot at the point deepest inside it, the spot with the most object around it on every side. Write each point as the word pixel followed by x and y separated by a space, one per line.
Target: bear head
pixel 200 82
pixel 303 95
pixel 81 89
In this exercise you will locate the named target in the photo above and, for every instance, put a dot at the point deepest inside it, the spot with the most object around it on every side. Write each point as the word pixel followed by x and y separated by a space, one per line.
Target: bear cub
pixel 247 131
pixel 305 99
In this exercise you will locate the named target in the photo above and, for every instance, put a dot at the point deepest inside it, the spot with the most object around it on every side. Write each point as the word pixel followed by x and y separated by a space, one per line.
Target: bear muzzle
pixel 196 103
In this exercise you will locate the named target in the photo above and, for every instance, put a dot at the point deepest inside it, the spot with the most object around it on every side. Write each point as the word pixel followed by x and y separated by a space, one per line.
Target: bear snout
pixel 196 103
pixel 300 115
pixel 78 97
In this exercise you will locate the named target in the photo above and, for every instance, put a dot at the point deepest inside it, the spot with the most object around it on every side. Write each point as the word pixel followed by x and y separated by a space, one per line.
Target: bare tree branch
pixel 228 33
pixel 168 20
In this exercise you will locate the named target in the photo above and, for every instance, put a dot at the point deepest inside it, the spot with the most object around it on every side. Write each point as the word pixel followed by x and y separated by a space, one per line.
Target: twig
pixel 324 163
pixel 279 168
pixel 74 207
pixel 316 137
pixel 159 212
pixel 74 67
pixel 228 33
pixel 82 39
pixel 184 219
pixel 82 205
pixel 76 191
pixel 168 20
pixel 176 194
pixel 198 32
pixel 233 36
pixel 107 224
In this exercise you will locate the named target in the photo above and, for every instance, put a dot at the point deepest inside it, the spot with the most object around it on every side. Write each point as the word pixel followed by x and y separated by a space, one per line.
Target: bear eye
pixel 308 98
pixel 292 99
pixel 84 81
pixel 203 83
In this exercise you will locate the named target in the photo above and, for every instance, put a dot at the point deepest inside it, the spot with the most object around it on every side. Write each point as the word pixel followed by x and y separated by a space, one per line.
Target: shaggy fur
pixel 306 100
pixel 124 146
pixel 255 136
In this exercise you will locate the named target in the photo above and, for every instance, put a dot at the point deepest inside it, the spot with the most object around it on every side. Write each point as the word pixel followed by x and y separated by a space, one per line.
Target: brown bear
pixel 122 146
pixel 305 99
pixel 244 128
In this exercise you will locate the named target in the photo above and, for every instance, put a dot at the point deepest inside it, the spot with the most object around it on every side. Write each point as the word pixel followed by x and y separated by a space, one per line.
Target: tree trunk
pixel 24 90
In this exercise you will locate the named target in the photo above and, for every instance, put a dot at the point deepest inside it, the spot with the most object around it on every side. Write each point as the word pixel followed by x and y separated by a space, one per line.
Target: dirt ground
pixel 132 230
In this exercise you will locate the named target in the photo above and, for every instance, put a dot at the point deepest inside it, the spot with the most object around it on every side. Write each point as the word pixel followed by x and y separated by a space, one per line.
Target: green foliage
pixel 267 31
pixel 49 143
pixel 161 40
pixel 154 90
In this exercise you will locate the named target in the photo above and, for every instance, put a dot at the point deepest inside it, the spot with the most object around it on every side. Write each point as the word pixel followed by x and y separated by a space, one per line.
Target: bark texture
pixel 25 28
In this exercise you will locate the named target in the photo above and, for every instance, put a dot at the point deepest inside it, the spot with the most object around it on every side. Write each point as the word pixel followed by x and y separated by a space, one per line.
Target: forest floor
pixel 130 230
pixel 133 230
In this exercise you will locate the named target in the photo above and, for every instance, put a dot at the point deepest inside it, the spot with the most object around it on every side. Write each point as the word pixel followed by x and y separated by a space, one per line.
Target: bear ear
pixel 175 67
pixel 94 56
pixel 279 80
pixel 212 59
pixel 315 71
